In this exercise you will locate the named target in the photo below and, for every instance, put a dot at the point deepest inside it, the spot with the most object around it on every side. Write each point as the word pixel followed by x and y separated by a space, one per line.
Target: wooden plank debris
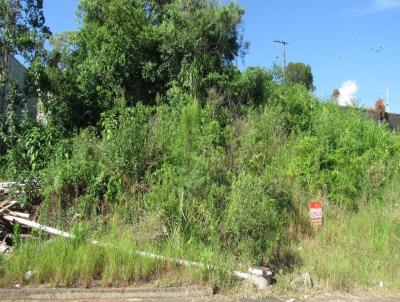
pixel 260 271
pixel 7 184
pixel 38 226
pixel 8 205
pixel 19 214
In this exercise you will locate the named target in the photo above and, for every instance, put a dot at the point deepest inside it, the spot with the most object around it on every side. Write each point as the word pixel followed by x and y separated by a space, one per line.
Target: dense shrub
pixel 182 147
pixel 32 149
pixel 73 173
pixel 345 155
pixel 229 182
pixel 296 105
pixel 256 217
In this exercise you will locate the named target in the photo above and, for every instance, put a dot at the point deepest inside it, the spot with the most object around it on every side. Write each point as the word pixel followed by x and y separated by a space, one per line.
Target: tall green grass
pixel 115 262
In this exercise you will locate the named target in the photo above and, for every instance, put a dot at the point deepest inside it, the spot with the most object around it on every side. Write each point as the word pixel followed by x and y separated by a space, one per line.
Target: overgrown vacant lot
pixel 155 141
pixel 193 183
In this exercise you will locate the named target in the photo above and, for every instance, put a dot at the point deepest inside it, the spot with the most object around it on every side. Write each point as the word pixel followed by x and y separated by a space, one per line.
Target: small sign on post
pixel 316 216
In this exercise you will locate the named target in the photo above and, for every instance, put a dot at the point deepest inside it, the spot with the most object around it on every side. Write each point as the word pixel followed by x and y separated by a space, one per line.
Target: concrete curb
pixel 103 293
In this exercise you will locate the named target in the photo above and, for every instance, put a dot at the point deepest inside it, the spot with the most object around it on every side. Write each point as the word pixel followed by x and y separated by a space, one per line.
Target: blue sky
pixel 353 45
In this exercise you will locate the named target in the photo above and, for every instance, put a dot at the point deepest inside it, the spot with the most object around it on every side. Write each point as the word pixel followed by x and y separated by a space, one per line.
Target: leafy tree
pixel 23 33
pixel 254 86
pixel 22 29
pixel 136 50
pixel 299 73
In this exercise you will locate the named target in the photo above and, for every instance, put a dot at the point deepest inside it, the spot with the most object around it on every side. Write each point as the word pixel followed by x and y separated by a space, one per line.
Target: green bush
pixel 256 219
pixel 296 105
pixel 345 155
pixel 233 179
pixel 32 149
pixel 256 139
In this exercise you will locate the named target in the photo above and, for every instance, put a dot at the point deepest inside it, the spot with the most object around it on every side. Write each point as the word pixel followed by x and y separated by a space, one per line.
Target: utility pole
pixel 284 43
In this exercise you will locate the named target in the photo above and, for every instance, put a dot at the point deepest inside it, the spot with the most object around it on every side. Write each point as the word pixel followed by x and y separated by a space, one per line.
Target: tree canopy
pixel 22 33
pixel 136 50
pixel 299 73
pixel 22 28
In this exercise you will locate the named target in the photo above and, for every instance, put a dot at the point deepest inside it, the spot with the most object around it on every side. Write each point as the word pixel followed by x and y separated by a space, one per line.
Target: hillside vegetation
pixel 155 141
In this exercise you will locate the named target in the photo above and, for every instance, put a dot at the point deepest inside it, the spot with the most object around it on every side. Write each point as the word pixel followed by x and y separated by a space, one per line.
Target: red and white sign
pixel 316 213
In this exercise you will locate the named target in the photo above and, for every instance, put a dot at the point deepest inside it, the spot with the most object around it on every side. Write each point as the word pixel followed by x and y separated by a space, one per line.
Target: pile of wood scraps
pixel 12 212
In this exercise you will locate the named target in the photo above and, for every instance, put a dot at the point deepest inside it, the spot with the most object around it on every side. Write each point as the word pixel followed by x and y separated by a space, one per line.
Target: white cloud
pixel 376 6
pixel 347 92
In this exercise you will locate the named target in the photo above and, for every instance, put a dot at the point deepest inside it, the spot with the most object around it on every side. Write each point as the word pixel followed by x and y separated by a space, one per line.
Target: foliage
pixel 218 180
pixel 199 159
pixel 299 73
pixel 32 148
pixel 190 187
pixel 152 45
pixel 346 156
pixel 253 87
pixel 22 27
pixel 17 235
pixel 22 32
pixel 255 219
pixel 74 175
pixel 296 105
pixel 125 134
